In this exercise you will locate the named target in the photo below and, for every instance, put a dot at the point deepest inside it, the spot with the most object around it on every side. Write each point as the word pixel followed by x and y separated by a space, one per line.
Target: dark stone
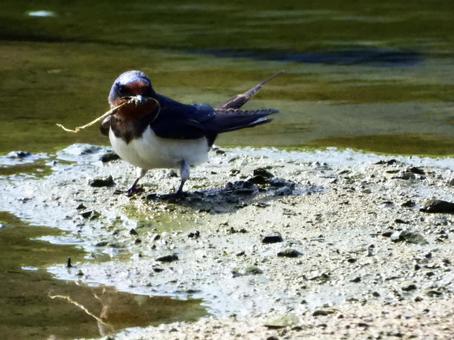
pixel 289 253
pixel 258 180
pixel 91 214
pixel 416 170
pixel 109 157
pixel 19 154
pixel 321 278
pixel 433 292
pixel 387 233
pixel 398 220
pixel 438 206
pixel 88 150
pixel 408 286
pixel 101 244
pixel 194 234
pixel 157 269
pixel 370 250
pixel 263 172
pixel 387 162
pixel 406 175
pixel 356 279
pixel 168 258
pixel 272 238
pixel 393 171
pixel 251 270
pixel 173 174
pixel 234 172
pixel 323 312
pixel 102 182
pixel 81 207
pixel 409 204
pixel 408 237
pixel 133 232
pixel 232 230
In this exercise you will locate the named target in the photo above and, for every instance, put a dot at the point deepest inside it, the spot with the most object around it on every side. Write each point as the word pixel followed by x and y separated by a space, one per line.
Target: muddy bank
pixel 275 243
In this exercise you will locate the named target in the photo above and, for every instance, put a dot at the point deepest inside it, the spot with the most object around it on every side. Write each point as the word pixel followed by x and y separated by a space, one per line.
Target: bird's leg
pixel 133 189
pixel 184 174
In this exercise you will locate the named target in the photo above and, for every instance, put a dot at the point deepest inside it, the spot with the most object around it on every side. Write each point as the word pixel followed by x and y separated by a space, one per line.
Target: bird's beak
pixel 137 99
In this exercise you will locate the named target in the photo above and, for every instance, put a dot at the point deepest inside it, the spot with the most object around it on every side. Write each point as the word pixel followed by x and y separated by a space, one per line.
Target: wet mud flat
pixel 276 244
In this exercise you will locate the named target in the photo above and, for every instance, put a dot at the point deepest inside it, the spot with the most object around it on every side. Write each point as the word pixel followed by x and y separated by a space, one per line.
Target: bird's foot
pixel 135 189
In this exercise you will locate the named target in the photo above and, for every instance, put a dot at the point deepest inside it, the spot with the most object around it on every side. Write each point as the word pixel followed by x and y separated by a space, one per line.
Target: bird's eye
pixel 121 88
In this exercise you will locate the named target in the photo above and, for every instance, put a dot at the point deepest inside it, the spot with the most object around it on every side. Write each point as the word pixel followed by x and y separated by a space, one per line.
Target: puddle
pixel 23 162
pixel 77 310
pixel 35 169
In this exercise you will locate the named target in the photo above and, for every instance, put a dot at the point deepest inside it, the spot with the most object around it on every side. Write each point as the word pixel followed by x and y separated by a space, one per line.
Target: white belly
pixel 151 151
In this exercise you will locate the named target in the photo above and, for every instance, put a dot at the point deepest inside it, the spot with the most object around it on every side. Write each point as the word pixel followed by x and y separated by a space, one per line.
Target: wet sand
pixel 277 244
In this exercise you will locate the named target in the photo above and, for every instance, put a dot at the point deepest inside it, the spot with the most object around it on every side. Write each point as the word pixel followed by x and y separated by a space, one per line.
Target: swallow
pixel 158 132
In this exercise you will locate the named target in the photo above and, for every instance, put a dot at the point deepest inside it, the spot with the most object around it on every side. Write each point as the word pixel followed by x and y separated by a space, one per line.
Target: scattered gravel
pixel 278 245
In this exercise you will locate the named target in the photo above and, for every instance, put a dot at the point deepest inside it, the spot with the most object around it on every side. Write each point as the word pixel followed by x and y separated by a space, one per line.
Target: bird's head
pixel 136 87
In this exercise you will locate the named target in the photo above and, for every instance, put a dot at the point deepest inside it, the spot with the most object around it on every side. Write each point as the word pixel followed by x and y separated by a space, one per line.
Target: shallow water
pixel 364 75
pixel 27 311
pixel 373 76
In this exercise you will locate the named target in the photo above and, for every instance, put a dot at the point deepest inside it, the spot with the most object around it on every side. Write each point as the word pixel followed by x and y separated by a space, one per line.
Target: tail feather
pixel 234 119
pixel 239 100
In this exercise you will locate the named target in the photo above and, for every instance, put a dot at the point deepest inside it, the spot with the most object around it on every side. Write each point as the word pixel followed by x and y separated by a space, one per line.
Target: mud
pixel 352 252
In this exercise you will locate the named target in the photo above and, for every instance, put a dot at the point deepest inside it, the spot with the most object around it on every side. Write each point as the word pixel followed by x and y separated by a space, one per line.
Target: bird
pixel 154 131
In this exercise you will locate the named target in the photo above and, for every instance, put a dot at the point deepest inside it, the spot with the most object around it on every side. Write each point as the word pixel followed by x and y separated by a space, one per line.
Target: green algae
pixel 352 69
pixel 421 145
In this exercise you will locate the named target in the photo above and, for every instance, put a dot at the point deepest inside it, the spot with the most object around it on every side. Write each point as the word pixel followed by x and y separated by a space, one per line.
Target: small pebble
pixel 289 253
pixel 168 258
pixel 272 238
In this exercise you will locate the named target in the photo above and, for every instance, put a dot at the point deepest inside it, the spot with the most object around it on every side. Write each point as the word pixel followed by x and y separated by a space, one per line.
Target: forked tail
pixel 239 100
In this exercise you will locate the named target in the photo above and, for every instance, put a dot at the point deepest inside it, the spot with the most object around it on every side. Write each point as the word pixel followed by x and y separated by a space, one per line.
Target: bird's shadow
pixel 258 190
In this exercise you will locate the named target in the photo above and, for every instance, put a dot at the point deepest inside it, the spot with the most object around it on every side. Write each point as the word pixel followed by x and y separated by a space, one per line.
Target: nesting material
pixel 129 107
pixel 78 128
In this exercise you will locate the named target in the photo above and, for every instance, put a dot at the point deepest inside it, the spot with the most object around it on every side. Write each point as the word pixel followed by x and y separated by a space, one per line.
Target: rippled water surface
pixel 370 75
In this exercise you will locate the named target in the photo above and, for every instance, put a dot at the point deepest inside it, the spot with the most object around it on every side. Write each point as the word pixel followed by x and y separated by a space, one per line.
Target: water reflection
pixel 112 311
pixel 28 312
pixel 353 56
